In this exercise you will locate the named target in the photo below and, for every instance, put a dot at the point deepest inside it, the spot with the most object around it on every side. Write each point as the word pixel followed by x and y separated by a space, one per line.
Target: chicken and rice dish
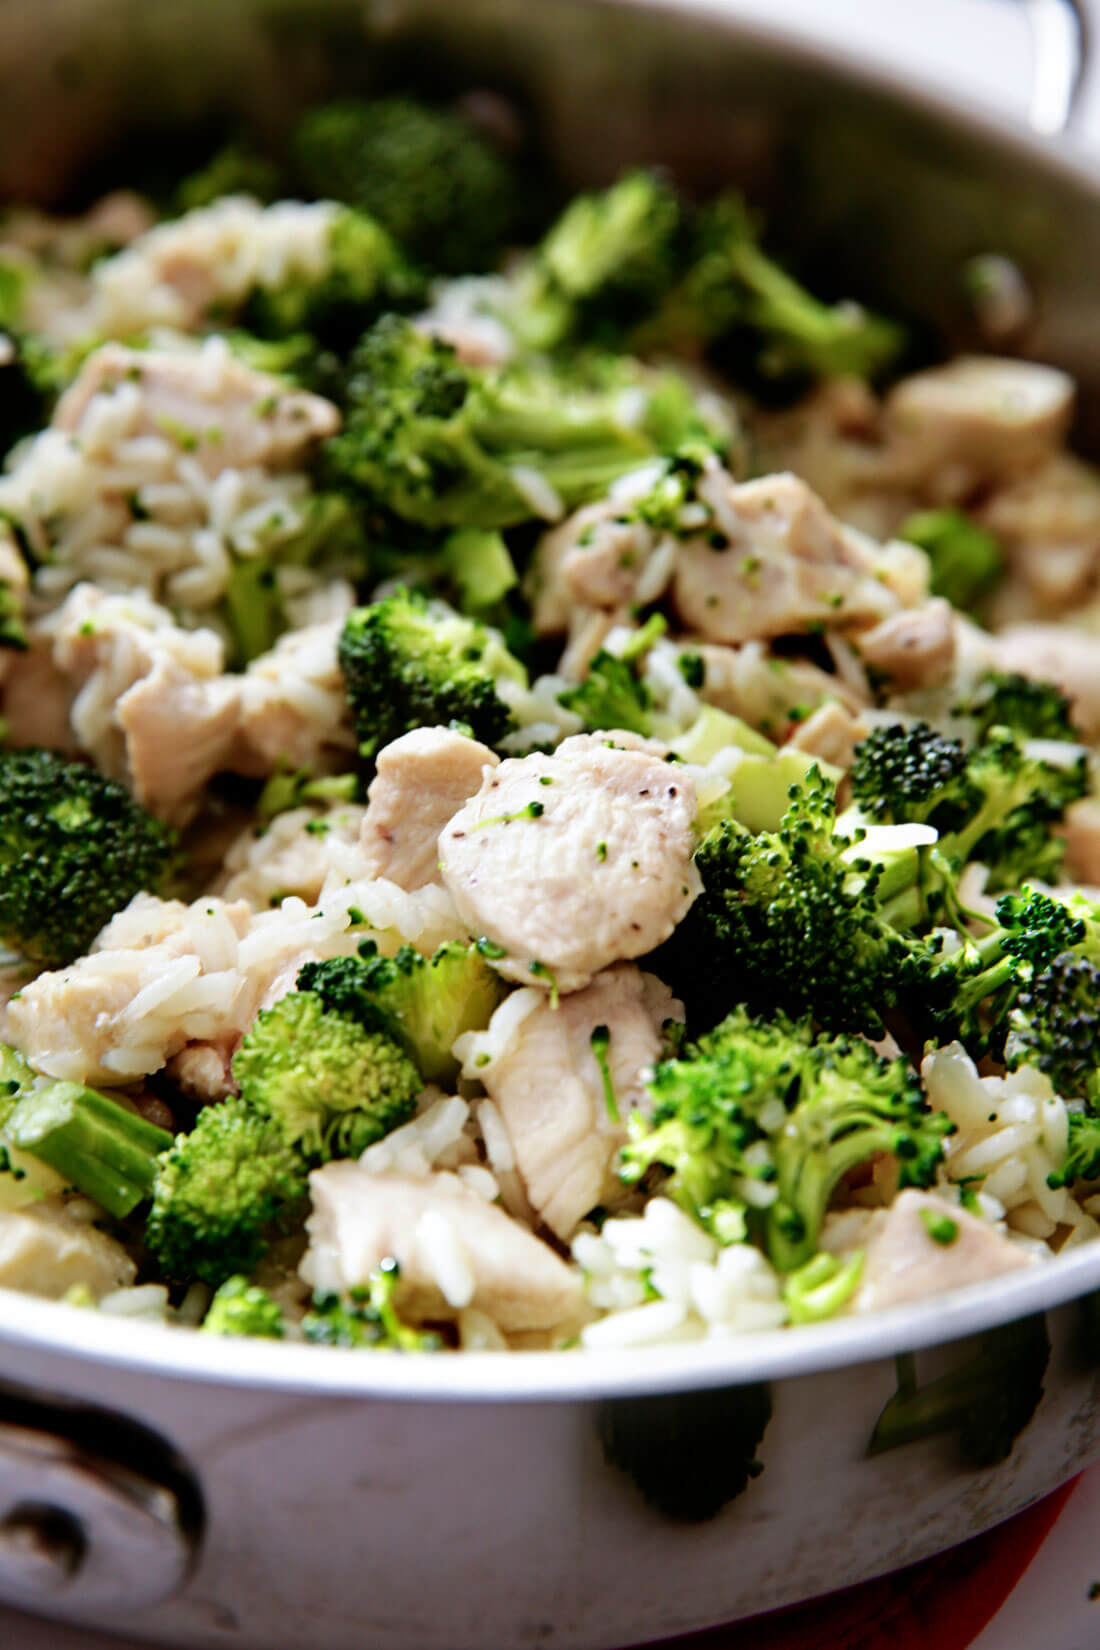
pixel 548 793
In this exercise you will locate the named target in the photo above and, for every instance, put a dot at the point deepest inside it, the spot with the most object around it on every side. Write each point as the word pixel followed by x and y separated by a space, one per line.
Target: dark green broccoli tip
pixel 222 1192
pixel 966 563
pixel 423 1002
pixel 1029 709
pixel 987 1401
pixel 74 849
pixel 906 772
pixel 409 663
pixel 243 1308
pixel 443 444
pixel 689 1453
pixel 332 1086
pixel 102 1148
pixel 612 695
pixel 1055 1025
pixel 368 1318
pixel 443 192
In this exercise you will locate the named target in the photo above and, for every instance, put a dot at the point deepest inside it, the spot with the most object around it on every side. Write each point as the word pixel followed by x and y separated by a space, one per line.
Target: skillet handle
pixel 1060 35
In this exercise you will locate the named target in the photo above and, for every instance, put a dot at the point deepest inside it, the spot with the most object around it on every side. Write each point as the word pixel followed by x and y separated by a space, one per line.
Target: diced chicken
pixel 421 782
pixel 225 413
pixel 1055 653
pixel 1047 522
pixel 1083 841
pixel 153 707
pixel 297 854
pixel 573 861
pixel 203 1072
pixel 294 709
pixel 36 698
pixel 786 565
pixel 113 221
pixel 912 649
pixel 904 1262
pixel 453 1248
pixel 44 1250
pixel 832 733
pixel 549 1089
pixel 977 418
pixel 768 691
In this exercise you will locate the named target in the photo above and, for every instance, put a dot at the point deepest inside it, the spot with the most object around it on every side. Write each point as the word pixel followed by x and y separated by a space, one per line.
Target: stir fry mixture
pixel 547 796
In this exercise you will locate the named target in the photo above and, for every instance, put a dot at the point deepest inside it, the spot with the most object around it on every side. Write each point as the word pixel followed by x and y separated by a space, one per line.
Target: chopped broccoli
pixel 1082 1159
pixel 221 1191
pixel 75 848
pixel 688 1452
pixel 367 1318
pixel 97 1145
pixel 906 772
pixel 1054 1024
pixel 243 1308
pixel 821 1287
pixel 759 1121
pixel 614 694
pixel 987 1401
pixel 235 169
pixel 1030 709
pixel 480 566
pixel 331 1086
pixel 442 191
pixel 287 789
pixel 410 663
pixel 451 445
pixel 424 1002
pixel 965 561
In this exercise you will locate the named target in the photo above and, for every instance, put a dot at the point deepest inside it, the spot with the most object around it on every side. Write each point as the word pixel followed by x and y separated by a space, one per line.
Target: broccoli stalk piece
pixel 243 1308
pixel 613 693
pixel 822 1287
pixel 332 1086
pixel 446 444
pixel 411 663
pixel 966 563
pixel 1030 709
pixel 442 191
pixel 987 1401
pixel 294 788
pixel 425 1003
pixel 74 849
pixel 97 1145
pixel 688 1452
pixel 1054 1024
pixel 367 1318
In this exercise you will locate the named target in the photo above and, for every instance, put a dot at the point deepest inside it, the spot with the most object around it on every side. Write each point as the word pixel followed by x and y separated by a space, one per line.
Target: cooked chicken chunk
pixel 225 413
pixel 36 699
pixel 204 1071
pixel 786 564
pixel 769 691
pixel 573 861
pixel 912 649
pixel 454 1249
pixel 976 418
pixel 1055 653
pixel 549 1089
pixel 421 782
pixel 1047 522
pixel 832 733
pixel 904 1263
pixel 294 710
pixel 44 1250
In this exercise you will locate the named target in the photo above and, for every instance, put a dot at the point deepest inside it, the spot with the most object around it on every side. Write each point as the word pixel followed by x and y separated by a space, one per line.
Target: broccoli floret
pixel 367 1318
pixel 1082 1159
pixel 423 1002
pixel 221 1192
pixel 905 773
pixel 235 169
pixel 446 444
pixel 287 789
pixel 759 1121
pixel 75 848
pixel 987 1402
pixel 411 663
pixel 97 1145
pixel 966 563
pixel 332 1086
pixel 614 694
pixel 1054 1024
pixel 1030 709
pixel 442 191
pixel 688 1452
pixel 730 286
pixel 604 264
pixel 243 1308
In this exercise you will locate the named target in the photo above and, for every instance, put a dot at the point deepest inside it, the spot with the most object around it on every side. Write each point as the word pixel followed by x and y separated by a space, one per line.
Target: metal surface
pixel 351 1499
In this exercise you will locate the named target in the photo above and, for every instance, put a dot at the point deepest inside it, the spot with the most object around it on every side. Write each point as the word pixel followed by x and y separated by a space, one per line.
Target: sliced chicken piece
pixel 421 782
pixel 832 733
pixel 572 861
pixel 549 1089
pixel 904 1262
pixel 294 709
pixel 44 1250
pixel 1047 521
pixel 224 413
pixel 203 1072
pixel 178 734
pixel 1055 653
pixel 912 649
pixel 979 417
pixel 769 691
pixel 297 854
pixel 1083 841
pixel 786 565
pixel 454 1249
pixel 36 698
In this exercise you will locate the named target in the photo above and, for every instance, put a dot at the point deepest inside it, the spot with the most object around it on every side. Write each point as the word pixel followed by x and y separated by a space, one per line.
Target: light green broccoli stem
pixel 819 1289
pixel 100 1147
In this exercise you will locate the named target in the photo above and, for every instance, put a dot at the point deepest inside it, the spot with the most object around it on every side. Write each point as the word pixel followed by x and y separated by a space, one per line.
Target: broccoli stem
pixel 98 1146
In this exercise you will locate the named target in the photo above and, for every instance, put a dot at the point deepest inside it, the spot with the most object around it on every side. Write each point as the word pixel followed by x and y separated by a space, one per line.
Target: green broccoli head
pixel 367 1318
pixel 614 692
pixel 75 848
pixel 1082 1159
pixel 907 773
pixel 423 1002
pixel 1030 709
pixel 412 663
pixel 221 1192
pixel 1054 1024
pixel 965 562
pixel 243 1308
pixel 445 444
pixel 332 1086
pixel 441 190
